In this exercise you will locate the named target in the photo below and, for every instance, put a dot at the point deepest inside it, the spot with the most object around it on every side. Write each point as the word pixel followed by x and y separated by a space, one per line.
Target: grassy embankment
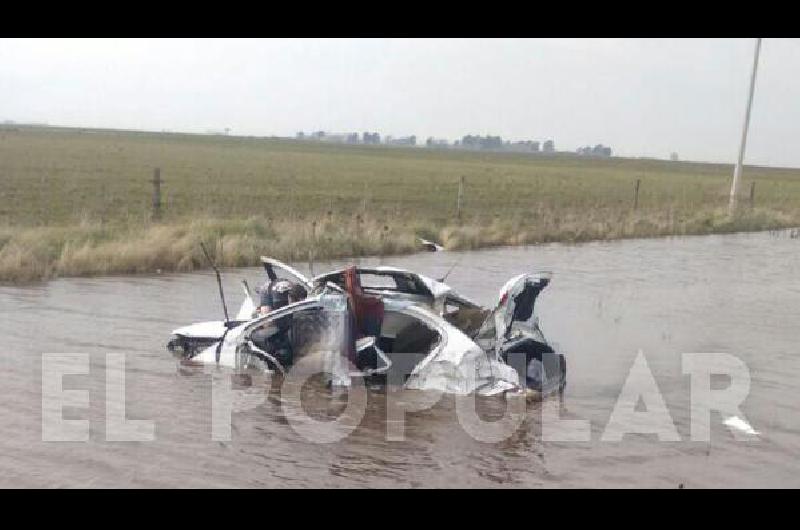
pixel 79 202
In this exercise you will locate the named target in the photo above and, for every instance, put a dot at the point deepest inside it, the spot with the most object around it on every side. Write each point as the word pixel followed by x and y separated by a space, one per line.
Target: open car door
pixel 274 267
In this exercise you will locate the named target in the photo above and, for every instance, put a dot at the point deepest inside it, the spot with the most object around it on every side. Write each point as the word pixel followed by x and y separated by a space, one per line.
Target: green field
pixel 78 202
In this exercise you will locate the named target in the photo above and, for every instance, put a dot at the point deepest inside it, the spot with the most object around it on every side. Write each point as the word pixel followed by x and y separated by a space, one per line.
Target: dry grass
pixel 44 252
pixel 78 203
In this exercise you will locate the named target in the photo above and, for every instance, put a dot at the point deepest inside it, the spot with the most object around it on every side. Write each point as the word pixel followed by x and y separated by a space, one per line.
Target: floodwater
pixel 736 294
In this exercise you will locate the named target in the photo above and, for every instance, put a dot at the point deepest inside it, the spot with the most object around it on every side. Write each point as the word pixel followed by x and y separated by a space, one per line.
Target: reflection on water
pixel 738 294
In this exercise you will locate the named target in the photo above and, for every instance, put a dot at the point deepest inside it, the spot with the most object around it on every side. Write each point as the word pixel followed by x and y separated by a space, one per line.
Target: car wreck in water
pixel 365 322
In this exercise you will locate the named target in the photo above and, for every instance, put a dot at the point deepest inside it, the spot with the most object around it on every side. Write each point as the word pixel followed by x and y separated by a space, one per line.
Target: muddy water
pixel 738 294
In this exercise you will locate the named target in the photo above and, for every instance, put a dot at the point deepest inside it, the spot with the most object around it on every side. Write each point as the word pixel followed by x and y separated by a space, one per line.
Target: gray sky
pixel 643 97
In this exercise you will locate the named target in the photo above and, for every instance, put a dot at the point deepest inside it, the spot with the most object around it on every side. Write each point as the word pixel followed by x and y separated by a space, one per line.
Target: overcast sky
pixel 642 97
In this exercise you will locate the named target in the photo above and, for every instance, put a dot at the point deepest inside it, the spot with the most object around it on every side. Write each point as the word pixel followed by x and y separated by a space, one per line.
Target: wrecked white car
pixel 392 326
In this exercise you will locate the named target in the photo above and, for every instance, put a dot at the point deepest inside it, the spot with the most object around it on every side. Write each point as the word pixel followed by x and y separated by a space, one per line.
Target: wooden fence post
pixel 460 197
pixel 636 194
pixel 157 193
pixel 312 250
pixel 752 193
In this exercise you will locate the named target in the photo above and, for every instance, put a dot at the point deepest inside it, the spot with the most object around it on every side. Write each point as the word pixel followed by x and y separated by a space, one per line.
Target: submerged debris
pixel 430 245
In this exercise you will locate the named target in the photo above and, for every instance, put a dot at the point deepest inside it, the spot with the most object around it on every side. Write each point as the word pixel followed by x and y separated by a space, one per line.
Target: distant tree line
pixel 470 141
pixel 371 138
pixel 597 150
pixel 496 143
pixel 482 142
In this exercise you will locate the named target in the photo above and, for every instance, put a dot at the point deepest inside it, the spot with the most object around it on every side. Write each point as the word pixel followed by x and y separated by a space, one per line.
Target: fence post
pixel 312 250
pixel 460 197
pixel 636 194
pixel 752 193
pixel 157 193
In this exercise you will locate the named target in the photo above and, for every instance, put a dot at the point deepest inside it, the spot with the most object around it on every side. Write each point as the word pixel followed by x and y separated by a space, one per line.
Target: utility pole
pixel 737 172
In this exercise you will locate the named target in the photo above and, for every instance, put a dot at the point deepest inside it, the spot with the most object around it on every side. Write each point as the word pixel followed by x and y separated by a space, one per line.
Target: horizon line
pixel 6 123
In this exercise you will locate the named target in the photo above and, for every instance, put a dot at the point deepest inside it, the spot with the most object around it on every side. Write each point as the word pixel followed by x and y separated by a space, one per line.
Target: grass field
pixel 78 202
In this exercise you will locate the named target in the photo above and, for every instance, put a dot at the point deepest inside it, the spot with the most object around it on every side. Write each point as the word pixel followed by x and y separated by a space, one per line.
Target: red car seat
pixel 368 310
